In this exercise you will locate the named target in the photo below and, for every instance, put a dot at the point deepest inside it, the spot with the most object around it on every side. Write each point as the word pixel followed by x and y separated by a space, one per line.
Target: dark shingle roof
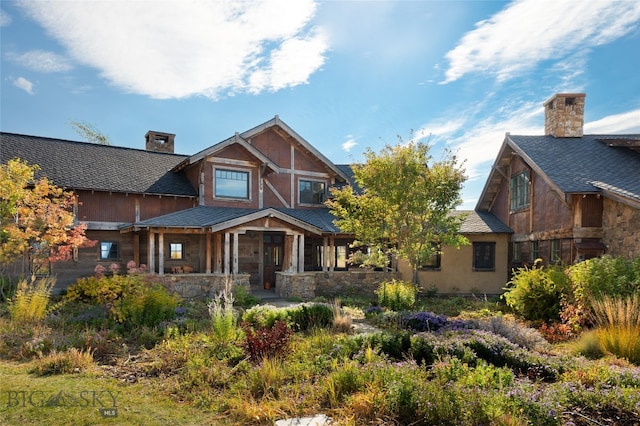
pixel 476 222
pixel 196 217
pixel 80 165
pixel 206 216
pixel 585 164
pixel 320 218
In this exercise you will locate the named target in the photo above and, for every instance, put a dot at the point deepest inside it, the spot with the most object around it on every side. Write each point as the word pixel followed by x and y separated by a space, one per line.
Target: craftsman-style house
pixel 250 206
pixel 566 196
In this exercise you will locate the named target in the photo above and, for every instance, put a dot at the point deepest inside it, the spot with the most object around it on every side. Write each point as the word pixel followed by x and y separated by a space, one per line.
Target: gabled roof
pixel 587 164
pixel 235 139
pixel 317 221
pixel 81 165
pixel 276 121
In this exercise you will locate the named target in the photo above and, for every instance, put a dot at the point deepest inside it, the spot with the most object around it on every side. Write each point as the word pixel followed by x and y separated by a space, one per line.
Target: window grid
pixel 176 251
pixel 484 256
pixel 519 191
pixel 109 250
pixel 231 184
pixel 555 251
pixel 534 251
pixel 312 192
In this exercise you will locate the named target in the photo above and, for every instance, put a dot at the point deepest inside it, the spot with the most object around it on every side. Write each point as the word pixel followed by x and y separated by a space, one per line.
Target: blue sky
pixel 346 75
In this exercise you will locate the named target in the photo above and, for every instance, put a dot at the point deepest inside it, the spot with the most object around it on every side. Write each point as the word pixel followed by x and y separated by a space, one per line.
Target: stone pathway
pixel 318 420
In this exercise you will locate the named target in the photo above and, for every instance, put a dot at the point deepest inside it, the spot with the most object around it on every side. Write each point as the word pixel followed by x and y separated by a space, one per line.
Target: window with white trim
pixel 176 251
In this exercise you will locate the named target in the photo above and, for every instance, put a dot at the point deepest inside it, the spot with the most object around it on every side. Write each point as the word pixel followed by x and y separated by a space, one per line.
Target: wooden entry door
pixel 273 250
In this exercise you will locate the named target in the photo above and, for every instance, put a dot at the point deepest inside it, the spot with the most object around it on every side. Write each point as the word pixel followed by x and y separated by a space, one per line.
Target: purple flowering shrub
pixel 424 321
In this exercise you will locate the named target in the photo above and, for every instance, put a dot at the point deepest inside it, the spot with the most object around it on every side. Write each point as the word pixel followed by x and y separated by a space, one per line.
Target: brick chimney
pixel 159 142
pixel 564 115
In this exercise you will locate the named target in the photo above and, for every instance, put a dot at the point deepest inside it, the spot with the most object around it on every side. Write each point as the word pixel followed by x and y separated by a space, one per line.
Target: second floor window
pixel 519 191
pixel 312 192
pixel 231 184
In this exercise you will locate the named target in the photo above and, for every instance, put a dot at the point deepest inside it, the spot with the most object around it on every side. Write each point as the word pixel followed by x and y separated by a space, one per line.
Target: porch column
pixel 325 254
pixel 136 249
pixel 227 247
pixel 151 255
pixel 294 253
pixel 301 253
pixel 218 253
pixel 332 254
pixel 208 253
pixel 235 253
pixel 161 253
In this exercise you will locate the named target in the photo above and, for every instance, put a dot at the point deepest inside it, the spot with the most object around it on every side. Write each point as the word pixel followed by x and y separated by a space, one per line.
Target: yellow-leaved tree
pixel 37 221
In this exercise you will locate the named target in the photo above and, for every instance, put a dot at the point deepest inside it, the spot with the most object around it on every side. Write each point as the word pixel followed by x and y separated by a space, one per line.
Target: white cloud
pixel 439 128
pixel 626 122
pixel 178 49
pixel 349 143
pixel 40 60
pixel 24 84
pixel 529 31
pixel 5 18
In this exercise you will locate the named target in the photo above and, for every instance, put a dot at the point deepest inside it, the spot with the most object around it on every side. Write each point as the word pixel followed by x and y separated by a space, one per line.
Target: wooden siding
pixel 121 208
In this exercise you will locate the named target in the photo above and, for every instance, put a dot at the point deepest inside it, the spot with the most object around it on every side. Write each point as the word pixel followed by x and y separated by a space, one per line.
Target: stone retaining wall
pixel 201 286
pixel 308 285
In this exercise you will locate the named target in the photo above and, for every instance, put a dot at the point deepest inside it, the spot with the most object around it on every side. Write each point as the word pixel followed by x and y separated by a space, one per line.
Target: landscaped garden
pixel 561 347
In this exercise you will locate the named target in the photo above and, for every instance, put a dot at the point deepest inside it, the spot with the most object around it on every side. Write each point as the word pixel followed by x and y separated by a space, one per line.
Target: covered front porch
pixel 207 245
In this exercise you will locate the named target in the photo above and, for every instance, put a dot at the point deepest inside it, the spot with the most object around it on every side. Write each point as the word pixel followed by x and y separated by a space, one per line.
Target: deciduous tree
pixel 36 216
pixel 402 204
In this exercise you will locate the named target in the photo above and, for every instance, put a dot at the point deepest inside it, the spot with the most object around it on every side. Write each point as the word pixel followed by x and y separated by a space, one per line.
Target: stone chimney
pixel 159 142
pixel 564 115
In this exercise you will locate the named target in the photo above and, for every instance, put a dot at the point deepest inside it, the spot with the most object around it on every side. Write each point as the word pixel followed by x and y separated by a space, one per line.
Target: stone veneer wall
pixel 201 286
pixel 309 285
pixel 564 118
pixel 621 225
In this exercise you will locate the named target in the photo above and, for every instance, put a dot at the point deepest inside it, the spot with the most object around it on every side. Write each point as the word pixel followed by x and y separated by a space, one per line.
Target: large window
pixel 231 184
pixel 109 250
pixel 484 256
pixel 340 257
pixel 312 192
pixel 176 251
pixel 519 191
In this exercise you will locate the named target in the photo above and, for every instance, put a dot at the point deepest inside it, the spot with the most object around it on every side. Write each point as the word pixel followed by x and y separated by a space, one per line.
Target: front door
pixel 273 255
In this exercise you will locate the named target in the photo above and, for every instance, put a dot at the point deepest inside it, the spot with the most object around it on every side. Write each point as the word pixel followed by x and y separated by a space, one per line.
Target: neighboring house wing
pixel 94 167
pixel 567 196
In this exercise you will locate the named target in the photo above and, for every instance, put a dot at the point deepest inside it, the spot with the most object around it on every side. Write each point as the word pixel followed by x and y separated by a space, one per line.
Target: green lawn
pixel 79 399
